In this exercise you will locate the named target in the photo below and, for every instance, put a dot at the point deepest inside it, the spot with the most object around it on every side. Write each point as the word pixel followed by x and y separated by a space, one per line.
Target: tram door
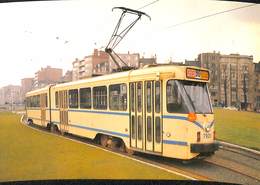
pixel 136 115
pixel 43 105
pixel 153 121
pixel 63 105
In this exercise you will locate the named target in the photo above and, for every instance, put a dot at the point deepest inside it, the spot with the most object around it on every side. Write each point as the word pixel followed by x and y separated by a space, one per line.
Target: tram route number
pixel 207 135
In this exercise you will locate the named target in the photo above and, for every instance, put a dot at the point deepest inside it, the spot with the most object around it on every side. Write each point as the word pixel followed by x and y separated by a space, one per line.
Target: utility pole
pixel 230 81
pixel 12 100
pixel 244 91
pixel 225 86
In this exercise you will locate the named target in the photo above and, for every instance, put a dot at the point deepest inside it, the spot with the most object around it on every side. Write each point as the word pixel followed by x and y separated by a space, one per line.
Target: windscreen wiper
pixel 117 35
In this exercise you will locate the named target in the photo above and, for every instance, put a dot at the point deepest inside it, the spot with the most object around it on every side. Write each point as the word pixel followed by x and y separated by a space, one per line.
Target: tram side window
pixel 158 130
pixel 46 100
pixel 132 95
pixel 56 99
pixel 34 101
pixel 174 100
pixel 157 97
pixel 139 96
pixel 148 97
pixel 73 98
pixel 100 97
pixel 118 97
pixel 28 101
pixel 85 98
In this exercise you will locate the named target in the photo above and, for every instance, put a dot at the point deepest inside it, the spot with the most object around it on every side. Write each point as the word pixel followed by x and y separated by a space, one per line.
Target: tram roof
pixel 160 69
pixel 179 73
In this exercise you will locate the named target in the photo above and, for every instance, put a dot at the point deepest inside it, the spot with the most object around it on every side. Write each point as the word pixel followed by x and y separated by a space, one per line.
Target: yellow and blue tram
pixel 163 110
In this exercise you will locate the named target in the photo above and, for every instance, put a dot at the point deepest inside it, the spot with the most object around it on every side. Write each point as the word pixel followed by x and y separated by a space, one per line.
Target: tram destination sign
pixel 197 74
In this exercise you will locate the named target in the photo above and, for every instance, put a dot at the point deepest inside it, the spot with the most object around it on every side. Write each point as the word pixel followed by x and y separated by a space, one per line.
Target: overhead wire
pixel 210 15
pixel 148 4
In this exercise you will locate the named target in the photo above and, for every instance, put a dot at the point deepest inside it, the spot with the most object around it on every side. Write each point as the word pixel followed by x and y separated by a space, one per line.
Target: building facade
pixel 100 63
pixel 147 61
pixel 192 63
pixel 231 79
pixel 47 76
pixel 257 86
pixel 11 94
pixel 67 77
pixel 26 85
pixel 132 60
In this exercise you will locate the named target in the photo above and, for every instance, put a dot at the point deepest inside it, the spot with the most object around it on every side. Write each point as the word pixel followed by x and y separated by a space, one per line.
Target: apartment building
pixel 67 77
pixel 100 63
pixel 231 79
pixel 11 94
pixel 257 86
pixel 131 60
pixel 26 85
pixel 47 76
pixel 147 61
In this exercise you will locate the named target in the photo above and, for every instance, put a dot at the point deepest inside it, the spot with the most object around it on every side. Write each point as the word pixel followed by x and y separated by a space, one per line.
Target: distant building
pixel 100 63
pixel 192 63
pixel 26 85
pixel 231 79
pixel 97 64
pixel 11 94
pixel 47 76
pixel 75 69
pixel 257 86
pixel 131 60
pixel 147 61
pixel 67 77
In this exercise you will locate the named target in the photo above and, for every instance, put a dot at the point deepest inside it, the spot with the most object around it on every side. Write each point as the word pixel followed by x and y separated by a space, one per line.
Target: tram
pixel 162 110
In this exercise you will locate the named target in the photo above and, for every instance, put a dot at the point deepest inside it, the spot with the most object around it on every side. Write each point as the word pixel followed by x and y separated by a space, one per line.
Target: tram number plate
pixel 207 135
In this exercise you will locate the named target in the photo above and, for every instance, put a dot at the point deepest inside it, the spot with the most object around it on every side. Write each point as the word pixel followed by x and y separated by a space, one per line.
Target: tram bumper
pixel 204 148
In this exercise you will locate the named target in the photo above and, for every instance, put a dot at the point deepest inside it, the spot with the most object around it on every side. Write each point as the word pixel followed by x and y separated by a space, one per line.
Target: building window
pixel 100 97
pixel 118 97
pixel 85 98
pixel 73 98
pixel 213 93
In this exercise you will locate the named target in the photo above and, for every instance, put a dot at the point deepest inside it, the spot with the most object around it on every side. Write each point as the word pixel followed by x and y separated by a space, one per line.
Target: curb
pixel 239 147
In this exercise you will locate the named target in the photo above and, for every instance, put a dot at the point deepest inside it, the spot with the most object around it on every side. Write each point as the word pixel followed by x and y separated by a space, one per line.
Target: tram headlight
pixel 168 134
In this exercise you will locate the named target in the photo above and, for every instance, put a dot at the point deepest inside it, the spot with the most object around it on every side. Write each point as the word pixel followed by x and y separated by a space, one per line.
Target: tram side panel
pixel 90 123
pixel 34 114
pixel 175 141
pixel 37 109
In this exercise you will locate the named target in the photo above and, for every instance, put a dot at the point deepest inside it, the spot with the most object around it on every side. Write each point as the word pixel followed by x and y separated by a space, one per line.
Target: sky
pixel 54 33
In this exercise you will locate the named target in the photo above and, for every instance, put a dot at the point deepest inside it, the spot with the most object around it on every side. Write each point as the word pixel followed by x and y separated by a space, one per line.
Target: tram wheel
pixel 129 151
pixel 53 129
pixel 104 140
pixel 29 122
pixel 117 144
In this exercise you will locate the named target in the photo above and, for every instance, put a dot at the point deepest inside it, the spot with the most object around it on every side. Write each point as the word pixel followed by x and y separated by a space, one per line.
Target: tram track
pixel 249 167
pixel 223 166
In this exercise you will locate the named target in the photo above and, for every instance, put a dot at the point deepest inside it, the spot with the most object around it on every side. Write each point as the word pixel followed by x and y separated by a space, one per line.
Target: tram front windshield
pixel 188 96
